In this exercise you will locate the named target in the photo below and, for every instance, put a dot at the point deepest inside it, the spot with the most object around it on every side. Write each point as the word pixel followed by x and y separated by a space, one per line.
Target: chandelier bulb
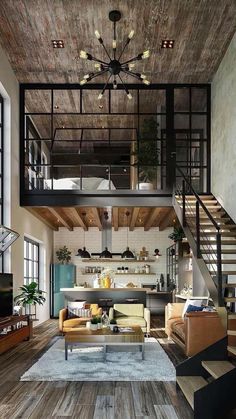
pixel 147 82
pixel 97 34
pixel 82 82
pixel 114 84
pixel 146 54
pixel 98 66
pixel 129 96
pixel 83 54
pixel 143 76
pixel 86 76
pixel 131 34
pixel 114 44
pixel 131 66
pixel 100 96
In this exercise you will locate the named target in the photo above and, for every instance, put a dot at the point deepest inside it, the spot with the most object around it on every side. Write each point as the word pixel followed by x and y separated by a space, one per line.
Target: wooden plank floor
pixel 85 400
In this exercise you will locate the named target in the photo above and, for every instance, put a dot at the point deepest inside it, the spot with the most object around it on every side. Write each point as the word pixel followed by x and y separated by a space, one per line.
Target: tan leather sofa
pixel 196 331
pixel 76 323
pixel 131 315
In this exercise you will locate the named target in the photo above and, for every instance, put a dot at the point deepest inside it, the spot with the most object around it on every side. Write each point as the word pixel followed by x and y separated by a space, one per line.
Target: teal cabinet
pixel 62 276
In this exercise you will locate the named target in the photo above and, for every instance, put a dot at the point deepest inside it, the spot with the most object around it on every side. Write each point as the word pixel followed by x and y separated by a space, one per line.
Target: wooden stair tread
pixel 223 261
pixel 230 299
pixel 223 233
pixel 217 368
pixel 232 349
pixel 231 332
pixel 223 251
pixel 232 316
pixel 232 285
pixel 190 384
pixel 224 272
pixel 223 242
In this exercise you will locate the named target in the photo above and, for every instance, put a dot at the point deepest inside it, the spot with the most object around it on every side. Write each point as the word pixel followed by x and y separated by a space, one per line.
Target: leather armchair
pixel 67 324
pixel 196 331
pixel 131 315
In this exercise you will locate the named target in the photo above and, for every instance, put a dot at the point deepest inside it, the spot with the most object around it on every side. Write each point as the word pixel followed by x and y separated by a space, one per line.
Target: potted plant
pixel 147 154
pixel 112 323
pixel 63 255
pixel 99 322
pixel 30 296
pixel 177 234
pixel 94 323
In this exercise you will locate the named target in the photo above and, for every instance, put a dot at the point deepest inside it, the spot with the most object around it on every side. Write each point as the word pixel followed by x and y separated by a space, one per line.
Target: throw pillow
pixel 74 307
pixel 196 303
pixel 193 308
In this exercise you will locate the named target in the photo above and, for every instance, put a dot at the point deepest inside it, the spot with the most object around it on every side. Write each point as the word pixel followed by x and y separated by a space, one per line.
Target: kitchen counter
pixel 154 300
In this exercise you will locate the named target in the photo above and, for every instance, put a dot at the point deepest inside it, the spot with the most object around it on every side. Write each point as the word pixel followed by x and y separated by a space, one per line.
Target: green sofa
pixel 131 315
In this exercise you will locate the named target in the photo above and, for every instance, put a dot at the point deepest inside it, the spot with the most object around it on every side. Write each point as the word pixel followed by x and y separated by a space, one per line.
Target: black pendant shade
pixel 127 254
pixel 106 254
pixel 85 254
pixel 79 252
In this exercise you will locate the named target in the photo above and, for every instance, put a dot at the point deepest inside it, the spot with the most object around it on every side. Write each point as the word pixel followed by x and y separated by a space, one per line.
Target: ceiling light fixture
pixel 167 43
pixel 127 254
pixel 114 66
pixel 58 43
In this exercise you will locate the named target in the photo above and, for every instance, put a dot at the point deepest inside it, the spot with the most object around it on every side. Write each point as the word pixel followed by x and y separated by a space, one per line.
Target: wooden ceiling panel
pixel 87 217
pixel 201 29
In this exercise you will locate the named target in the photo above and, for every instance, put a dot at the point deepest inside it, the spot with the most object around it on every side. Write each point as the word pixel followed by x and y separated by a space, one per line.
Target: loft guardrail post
pixel 183 199
pixel 198 230
pixel 219 268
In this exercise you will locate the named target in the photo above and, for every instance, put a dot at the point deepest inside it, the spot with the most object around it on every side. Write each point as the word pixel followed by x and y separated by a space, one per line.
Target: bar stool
pixel 104 302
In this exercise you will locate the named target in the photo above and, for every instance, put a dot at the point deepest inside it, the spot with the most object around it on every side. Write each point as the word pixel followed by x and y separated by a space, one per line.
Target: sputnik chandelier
pixel 114 66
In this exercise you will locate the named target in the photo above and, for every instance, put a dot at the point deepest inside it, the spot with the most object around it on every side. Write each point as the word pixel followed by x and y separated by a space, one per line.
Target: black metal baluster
pixel 198 230
pixel 219 269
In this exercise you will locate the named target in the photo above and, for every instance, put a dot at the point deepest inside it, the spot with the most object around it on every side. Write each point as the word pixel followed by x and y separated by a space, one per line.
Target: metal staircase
pixel 211 234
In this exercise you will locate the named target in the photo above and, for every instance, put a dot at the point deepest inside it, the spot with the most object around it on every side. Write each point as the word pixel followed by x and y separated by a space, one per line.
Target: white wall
pixel 138 238
pixel 18 218
pixel 223 149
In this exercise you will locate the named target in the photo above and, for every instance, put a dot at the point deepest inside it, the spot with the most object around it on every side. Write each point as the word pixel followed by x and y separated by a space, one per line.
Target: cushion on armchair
pixel 121 310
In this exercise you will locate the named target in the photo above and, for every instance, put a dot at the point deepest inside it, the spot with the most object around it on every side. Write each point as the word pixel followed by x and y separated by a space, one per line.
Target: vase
pixel 93 326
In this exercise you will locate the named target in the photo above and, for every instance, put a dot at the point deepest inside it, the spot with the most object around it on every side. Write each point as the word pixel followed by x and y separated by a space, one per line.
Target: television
pixel 6 295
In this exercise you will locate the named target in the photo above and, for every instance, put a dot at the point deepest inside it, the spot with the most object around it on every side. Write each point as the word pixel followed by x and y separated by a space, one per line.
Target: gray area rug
pixel 86 364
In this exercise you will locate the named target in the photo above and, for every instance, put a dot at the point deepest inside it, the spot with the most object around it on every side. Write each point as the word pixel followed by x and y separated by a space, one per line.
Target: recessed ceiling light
pixel 167 43
pixel 57 43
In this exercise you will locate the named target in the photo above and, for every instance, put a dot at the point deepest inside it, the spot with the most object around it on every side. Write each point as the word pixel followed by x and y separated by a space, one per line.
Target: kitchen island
pixel 152 299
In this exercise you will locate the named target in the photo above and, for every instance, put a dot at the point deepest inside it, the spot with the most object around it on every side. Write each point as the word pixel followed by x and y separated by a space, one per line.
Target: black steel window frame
pixel 32 261
pixel 30 197
pixel 2 173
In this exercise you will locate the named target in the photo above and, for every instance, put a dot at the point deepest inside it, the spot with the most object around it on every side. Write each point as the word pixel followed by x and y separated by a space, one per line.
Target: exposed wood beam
pixel 167 219
pixel 152 217
pixel 40 217
pixel 78 218
pixel 134 217
pixel 97 218
pixel 115 214
pixel 58 215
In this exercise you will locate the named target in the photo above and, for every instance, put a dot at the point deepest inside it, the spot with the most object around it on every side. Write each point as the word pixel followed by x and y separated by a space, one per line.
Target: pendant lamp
pixel 83 253
pixel 127 254
pixel 106 254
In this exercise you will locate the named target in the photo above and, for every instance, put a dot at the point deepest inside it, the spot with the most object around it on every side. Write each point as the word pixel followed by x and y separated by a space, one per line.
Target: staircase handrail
pixel 198 199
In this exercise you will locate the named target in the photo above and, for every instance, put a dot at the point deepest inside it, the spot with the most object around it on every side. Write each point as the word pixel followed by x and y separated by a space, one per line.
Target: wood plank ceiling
pixel 201 29
pixel 87 217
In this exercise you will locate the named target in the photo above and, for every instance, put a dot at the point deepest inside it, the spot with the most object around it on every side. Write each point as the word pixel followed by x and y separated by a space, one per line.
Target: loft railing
pixel 191 218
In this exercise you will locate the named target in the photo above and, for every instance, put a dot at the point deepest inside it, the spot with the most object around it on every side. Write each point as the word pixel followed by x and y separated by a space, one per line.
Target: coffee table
pixel 104 337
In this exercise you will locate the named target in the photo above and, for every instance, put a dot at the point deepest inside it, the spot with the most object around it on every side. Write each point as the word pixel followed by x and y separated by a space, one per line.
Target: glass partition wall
pixel 72 141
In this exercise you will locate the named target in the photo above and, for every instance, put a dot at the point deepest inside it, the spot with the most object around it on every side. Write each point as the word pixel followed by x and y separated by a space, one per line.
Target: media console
pixel 14 329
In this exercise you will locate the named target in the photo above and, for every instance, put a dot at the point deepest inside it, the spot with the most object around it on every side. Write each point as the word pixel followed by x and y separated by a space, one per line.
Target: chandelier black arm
pixel 104 88
pixel 114 36
pixel 127 43
pixel 138 57
pixel 98 73
pixel 123 84
pixel 98 61
pixel 132 74
pixel 105 50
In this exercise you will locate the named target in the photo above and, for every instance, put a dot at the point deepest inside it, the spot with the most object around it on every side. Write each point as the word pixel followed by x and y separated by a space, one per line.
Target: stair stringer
pixel 210 284
pixel 217 398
